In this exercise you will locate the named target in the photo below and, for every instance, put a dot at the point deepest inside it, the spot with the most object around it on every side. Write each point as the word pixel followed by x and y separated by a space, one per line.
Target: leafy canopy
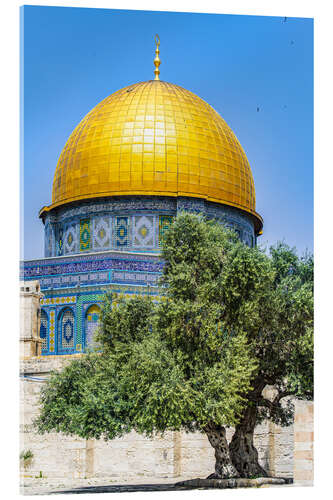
pixel 230 315
pixel 166 365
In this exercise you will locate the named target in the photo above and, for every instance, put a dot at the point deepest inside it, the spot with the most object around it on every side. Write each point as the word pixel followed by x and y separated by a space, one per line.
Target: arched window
pixel 66 331
pixel 43 332
pixel 91 324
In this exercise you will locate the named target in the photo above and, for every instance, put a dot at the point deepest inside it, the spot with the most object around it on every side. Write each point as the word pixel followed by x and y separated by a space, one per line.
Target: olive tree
pixel 231 320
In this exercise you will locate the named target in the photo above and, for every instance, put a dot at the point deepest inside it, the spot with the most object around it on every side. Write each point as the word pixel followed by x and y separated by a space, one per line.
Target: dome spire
pixel 157 61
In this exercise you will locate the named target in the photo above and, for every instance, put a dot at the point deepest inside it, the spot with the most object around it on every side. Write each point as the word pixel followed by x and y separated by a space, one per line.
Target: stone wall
pixel 132 457
pixel 30 342
pixel 303 443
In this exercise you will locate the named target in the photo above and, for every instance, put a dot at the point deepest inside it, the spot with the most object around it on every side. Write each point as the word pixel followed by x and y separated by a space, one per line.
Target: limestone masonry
pixel 134 456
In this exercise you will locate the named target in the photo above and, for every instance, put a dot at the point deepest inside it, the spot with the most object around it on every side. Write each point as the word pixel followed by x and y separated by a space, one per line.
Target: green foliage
pixel 285 347
pixel 294 320
pixel 82 400
pixel 232 319
pixel 125 321
pixel 146 384
pixel 169 365
pixel 26 455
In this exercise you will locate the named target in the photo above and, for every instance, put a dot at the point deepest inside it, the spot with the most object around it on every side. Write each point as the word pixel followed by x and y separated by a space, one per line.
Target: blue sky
pixel 75 57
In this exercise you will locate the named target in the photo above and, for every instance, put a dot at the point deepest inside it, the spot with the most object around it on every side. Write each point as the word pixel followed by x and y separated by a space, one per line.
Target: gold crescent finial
pixel 157 61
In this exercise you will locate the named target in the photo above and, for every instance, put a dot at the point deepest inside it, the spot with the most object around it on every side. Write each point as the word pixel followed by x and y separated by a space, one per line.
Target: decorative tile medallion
pixel 84 235
pixel 143 231
pixel 101 232
pixel 122 230
pixel 70 239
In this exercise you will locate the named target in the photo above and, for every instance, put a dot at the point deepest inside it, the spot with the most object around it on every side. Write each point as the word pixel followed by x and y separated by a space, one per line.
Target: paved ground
pixel 166 484
pixel 126 488
pixel 44 486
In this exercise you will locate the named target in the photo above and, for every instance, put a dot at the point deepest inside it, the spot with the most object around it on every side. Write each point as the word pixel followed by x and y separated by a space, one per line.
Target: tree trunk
pixel 243 453
pixel 224 468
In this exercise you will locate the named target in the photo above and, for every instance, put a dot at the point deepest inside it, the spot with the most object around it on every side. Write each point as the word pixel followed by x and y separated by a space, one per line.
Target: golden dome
pixel 154 138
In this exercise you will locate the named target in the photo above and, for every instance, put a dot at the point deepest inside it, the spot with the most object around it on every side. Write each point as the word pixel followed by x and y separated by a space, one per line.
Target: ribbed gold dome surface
pixel 154 138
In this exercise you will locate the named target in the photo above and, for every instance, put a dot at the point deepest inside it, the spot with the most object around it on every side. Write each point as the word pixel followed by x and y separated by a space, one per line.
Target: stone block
pixel 301 446
pixel 302 475
pixel 303 455
pixel 305 426
pixel 302 436
pixel 75 445
pixel 303 465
